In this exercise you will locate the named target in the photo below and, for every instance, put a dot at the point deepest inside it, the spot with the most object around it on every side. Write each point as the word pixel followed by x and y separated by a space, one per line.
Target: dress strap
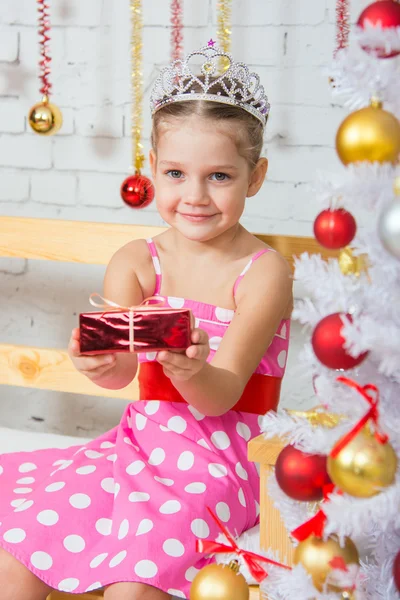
pixel 156 263
pixel 247 267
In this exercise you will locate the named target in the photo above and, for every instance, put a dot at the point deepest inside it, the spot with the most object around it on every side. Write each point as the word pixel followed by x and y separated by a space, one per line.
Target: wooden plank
pixel 264 451
pixel 51 369
pixel 94 243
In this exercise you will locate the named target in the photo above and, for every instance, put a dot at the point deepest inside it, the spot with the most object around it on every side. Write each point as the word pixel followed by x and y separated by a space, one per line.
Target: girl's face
pixel 201 179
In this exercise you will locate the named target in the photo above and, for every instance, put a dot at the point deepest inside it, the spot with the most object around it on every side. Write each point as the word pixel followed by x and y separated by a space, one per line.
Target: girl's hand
pixel 93 367
pixel 183 366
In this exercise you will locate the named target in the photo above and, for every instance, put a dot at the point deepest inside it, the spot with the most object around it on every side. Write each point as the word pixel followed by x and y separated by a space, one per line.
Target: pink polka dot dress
pixel 129 505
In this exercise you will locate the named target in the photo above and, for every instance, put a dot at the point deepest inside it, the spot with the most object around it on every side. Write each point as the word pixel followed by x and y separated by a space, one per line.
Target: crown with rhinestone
pixel 178 83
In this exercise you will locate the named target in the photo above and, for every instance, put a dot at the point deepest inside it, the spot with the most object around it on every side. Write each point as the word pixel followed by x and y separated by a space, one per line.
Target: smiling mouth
pixel 196 218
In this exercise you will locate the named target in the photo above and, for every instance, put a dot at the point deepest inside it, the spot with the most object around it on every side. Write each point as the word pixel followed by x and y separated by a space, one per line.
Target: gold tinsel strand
pixel 224 32
pixel 137 84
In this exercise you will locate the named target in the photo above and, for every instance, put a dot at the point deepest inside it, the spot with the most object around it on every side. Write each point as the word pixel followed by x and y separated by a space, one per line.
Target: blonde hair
pixel 247 130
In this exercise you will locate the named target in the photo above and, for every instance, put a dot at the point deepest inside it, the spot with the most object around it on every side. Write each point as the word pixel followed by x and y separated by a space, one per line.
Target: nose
pixel 196 193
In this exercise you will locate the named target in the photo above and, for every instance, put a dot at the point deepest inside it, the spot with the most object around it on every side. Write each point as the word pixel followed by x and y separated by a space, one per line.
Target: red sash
pixel 260 395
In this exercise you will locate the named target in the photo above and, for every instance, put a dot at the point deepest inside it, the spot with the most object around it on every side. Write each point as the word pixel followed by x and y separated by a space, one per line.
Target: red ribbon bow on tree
pixel 315 525
pixel 251 559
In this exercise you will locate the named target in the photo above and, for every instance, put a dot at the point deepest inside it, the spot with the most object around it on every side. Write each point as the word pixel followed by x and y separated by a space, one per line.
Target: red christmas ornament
pixel 301 476
pixel 327 342
pixel 385 13
pixel 137 191
pixel 334 228
pixel 396 570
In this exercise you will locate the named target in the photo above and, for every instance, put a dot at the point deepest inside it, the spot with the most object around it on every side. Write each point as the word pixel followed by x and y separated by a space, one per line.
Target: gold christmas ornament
pixel 350 264
pixel 369 134
pixel 364 466
pixel 224 31
pixel 219 582
pixel 315 555
pixel 45 118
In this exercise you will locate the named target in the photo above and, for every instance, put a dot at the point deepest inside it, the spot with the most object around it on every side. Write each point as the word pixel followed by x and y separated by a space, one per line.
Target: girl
pixel 124 511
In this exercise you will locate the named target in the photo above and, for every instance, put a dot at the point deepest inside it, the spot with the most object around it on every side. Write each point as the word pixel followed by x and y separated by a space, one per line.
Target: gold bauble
pixel 315 555
pixel 219 582
pixel 45 118
pixel 364 466
pixel 350 264
pixel 369 134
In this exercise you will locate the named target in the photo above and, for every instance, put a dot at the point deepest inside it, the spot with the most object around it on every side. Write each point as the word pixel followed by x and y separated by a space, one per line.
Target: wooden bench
pixel 51 369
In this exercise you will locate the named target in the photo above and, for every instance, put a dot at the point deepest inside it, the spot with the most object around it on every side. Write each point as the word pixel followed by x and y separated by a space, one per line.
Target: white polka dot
pixel 17 502
pixel 197 415
pixel 24 506
pixel 157 456
pixel 94 586
pixel 176 593
pixel 59 462
pixel 257 508
pixel 139 497
pixel 97 560
pixel 283 331
pixel 1 470
pixel 86 470
pixel 241 471
pixel 68 585
pixel 81 449
pixel 152 407
pixel 215 342
pixel 200 528
pixel 177 424
pixel 223 511
pixel 258 468
pixel 141 421
pixel 65 464
pixel 186 461
pixel 123 529
pixel 26 480
pixel 135 467
pixel 107 445
pixel 108 484
pixel 217 470
pixel 22 490
pixel 191 573
pixel 196 488
pixel 146 569
pixel 80 500
pixel 93 454
pixel 170 507
pixel 242 499
pixel 243 430
pixel 176 302
pixel 145 526
pixel 74 543
pixel 282 358
pixel 156 263
pixel 164 480
pixel 103 526
pixel 48 517
pixel 163 428
pixel 112 457
pixel 116 490
pixel 204 444
pixel 197 322
pixel 173 547
pixel 220 440
pixel 151 356
pixel 14 536
pixel 260 420
pixel 41 561
pixel 224 314
pixel 128 441
pixel 118 558
pixel 27 467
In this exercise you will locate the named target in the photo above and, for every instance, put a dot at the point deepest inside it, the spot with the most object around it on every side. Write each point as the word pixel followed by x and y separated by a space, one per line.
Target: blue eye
pixel 220 176
pixel 174 173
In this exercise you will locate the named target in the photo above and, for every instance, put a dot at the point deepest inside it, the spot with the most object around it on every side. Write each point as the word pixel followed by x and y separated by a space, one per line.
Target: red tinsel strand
pixel 342 24
pixel 44 39
pixel 176 33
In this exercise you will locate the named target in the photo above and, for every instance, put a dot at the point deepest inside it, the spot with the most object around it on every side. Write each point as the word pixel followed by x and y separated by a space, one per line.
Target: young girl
pixel 124 511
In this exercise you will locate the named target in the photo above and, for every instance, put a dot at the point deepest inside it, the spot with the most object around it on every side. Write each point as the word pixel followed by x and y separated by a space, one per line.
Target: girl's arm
pixel 263 299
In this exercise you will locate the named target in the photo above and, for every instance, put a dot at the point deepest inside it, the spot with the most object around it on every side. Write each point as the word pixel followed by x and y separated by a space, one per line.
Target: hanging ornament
pixel 219 582
pixel 316 554
pixel 369 134
pixel 342 25
pixel 44 118
pixel 389 224
pixel 334 229
pixel 328 343
pixel 224 31
pixel 385 14
pixel 300 475
pixel 350 264
pixel 176 32
pixel 363 462
pixel 137 191
pixel 396 571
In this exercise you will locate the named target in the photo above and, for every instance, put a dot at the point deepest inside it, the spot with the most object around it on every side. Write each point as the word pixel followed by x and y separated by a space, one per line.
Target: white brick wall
pixel 77 174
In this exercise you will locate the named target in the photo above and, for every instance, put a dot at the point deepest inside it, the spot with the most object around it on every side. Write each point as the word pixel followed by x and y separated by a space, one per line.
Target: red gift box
pixel 144 328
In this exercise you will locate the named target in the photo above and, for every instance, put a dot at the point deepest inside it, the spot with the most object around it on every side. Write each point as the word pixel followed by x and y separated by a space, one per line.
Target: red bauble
pixel 301 476
pixel 334 228
pixel 327 342
pixel 137 191
pixel 385 13
pixel 396 570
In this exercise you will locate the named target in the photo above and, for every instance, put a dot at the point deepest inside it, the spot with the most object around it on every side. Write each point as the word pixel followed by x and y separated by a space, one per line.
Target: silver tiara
pixel 178 83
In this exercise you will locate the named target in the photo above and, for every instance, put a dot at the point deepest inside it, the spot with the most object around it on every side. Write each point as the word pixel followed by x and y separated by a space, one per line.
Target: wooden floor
pixel 254 595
